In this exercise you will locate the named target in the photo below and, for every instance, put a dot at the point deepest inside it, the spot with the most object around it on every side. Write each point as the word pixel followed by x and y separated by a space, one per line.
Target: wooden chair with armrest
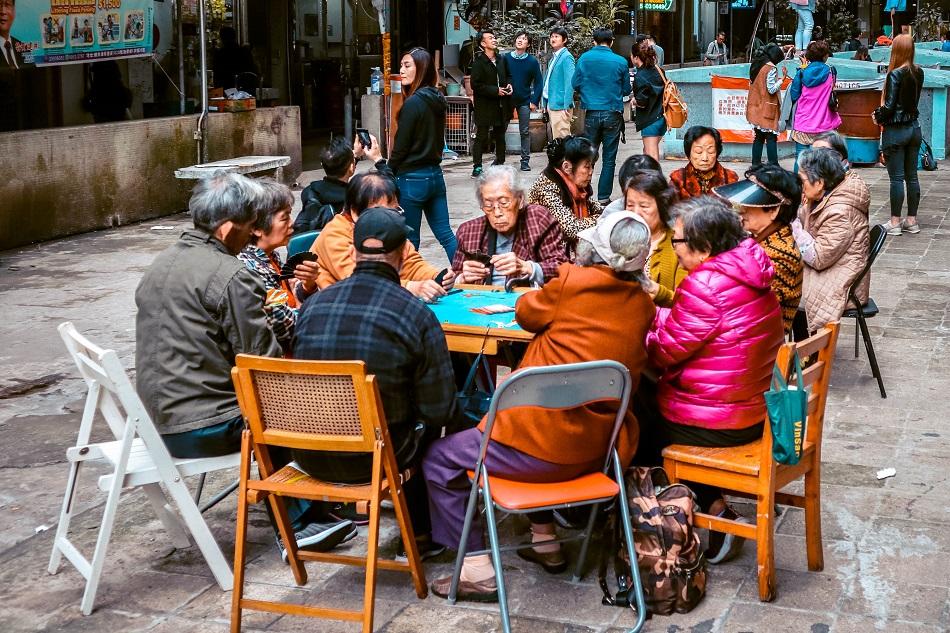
pixel 317 406
pixel 750 470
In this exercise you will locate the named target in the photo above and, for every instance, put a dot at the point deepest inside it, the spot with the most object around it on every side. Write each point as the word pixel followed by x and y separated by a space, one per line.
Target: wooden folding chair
pixel 556 387
pixel 750 470
pixel 318 406
pixel 139 459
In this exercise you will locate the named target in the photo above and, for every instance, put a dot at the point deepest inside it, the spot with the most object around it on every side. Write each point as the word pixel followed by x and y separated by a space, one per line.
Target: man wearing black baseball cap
pixel 370 317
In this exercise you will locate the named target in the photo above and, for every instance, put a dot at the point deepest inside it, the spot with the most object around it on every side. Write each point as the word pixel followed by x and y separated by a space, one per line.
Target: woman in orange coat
pixel 593 310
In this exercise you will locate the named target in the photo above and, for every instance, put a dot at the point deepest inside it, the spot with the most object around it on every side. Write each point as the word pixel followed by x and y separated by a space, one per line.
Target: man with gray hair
pixel 513 242
pixel 198 307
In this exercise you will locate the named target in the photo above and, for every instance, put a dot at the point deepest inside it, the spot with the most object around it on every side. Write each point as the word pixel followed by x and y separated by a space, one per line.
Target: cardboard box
pixel 232 105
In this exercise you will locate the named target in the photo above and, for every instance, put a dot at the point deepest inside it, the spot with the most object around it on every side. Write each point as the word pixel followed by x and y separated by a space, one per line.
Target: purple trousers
pixel 444 469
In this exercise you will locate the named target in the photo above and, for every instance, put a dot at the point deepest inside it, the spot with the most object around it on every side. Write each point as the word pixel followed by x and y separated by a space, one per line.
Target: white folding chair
pixel 139 459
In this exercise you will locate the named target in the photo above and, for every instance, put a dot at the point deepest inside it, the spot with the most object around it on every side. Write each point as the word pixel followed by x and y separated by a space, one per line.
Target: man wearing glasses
pixel 513 242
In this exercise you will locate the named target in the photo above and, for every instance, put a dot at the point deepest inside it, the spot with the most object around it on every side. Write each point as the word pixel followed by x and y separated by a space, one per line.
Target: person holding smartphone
pixel 491 84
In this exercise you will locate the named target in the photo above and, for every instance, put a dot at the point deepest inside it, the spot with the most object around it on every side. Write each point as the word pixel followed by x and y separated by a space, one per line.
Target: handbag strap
pixel 470 379
pixel 798 371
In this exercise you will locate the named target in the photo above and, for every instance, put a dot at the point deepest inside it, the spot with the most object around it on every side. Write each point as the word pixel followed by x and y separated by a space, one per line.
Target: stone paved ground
pixel 886 543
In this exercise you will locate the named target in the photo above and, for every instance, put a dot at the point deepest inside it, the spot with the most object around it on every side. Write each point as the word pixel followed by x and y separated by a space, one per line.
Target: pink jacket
pixel 812 115
pixel 716 346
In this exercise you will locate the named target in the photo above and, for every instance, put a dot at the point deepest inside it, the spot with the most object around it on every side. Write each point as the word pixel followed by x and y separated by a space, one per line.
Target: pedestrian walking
pixel 647 100
pixel 763 108
pixel 526 84
pixel 557 97
pixel 901 138
pixel 492 88
pixel 417 150
pixel 603 80
pixel 660 54
pixel 806 22
pixel 811 92
pixel 717 53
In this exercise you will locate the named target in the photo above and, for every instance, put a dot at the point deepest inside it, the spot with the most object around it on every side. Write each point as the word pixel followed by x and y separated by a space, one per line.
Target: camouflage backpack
pixel 669 554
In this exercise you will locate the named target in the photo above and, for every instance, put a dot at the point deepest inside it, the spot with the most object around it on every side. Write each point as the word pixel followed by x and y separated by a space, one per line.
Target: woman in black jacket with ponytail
pixel 900 141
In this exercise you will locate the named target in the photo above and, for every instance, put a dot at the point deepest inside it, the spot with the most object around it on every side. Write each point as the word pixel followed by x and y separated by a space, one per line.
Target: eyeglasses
pixel 678 240
pixel 500 203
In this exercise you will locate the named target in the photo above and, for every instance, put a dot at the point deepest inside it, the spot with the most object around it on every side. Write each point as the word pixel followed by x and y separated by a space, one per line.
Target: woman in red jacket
pixel 715 347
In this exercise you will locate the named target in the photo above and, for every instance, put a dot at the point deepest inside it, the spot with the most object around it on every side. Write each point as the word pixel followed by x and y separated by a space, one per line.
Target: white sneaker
pixel 894 230
pixel 910 228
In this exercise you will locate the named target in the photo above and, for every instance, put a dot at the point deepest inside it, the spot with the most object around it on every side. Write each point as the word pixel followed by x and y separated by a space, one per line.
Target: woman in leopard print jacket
pixel 564 187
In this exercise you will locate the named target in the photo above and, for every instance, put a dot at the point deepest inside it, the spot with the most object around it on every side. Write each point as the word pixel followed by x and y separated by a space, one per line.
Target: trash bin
pixel 860 132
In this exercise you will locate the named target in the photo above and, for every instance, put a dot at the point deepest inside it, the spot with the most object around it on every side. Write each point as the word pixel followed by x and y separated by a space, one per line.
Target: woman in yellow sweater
pixel 648 194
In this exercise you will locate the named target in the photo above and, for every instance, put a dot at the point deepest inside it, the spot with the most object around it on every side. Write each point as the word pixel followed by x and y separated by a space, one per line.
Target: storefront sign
pixel 730 95
pixel 54 32
pixel 658 5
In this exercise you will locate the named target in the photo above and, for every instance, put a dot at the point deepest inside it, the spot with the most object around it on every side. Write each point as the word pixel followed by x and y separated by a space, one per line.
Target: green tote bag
pixel 788 408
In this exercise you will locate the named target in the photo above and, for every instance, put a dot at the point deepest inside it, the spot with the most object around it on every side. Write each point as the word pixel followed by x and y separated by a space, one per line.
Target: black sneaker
pixel 723 547
pixel 427 549
pixel 525 166
pixel 476 172
pixel 348 512
pixel 321 537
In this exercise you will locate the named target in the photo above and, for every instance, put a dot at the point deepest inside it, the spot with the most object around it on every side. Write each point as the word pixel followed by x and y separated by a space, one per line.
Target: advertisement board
pixel 53 32
pixel 730 95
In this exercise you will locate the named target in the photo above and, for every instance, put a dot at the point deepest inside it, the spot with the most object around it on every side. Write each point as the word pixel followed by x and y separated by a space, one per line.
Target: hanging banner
pixel 54 32
pixel 730 95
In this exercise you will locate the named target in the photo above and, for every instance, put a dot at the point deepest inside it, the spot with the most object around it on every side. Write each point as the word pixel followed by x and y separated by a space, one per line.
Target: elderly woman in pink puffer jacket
pixel 714 348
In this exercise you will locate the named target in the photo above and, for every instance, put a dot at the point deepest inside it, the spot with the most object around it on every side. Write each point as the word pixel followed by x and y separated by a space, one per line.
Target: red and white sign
pixel 730 95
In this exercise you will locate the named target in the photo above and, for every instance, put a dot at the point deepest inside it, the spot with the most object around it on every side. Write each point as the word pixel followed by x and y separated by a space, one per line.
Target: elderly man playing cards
pixel 513 243
pixel 594 309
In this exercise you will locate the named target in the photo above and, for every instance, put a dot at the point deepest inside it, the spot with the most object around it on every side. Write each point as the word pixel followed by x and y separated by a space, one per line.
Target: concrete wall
pixel 62 181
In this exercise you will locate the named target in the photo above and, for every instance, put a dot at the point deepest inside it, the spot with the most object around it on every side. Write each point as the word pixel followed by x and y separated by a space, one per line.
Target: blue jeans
pixel 806 23
pixel 604 126
pixel 423 191
pixel 799 148
pixel 901 147
pixel 524 130
pixel 768 140
pixel 225 438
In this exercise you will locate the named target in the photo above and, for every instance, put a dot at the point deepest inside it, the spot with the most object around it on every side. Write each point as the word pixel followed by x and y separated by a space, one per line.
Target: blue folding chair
pixel 556 387
pixel 301 243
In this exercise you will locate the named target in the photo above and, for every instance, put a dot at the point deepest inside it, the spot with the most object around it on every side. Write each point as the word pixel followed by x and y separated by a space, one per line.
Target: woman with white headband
pixel 593 309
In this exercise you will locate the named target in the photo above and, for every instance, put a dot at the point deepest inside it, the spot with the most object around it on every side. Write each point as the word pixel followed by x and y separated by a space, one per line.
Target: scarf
pixel 285 283
pixel 516 55
pixel 578 196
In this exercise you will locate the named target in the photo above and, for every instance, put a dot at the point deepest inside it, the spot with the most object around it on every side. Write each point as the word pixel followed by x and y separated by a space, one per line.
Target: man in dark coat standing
pixel 491 85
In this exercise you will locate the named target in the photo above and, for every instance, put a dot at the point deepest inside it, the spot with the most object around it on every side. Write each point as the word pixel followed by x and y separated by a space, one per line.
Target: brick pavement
pixel 885 541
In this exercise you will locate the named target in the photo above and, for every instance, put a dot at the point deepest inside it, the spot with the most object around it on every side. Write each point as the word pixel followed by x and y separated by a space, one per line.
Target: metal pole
pixel 682 32
pixel 203 119
pixel 181 59
pixel 348 95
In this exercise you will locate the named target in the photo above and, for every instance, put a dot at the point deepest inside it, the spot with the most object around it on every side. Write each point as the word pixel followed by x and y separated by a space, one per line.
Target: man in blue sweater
pixel 526 83
pixel 603 81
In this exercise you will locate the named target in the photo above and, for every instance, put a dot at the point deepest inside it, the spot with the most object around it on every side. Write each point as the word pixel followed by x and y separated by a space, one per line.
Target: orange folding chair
pixel 316 406
pixel 556 387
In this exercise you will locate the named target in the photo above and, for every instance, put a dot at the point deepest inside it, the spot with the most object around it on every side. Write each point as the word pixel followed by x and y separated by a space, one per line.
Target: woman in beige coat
pixel 832 235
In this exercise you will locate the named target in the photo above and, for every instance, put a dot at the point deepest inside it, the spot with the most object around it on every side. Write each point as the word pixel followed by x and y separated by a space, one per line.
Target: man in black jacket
pixel 338 160
pixel 492 87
